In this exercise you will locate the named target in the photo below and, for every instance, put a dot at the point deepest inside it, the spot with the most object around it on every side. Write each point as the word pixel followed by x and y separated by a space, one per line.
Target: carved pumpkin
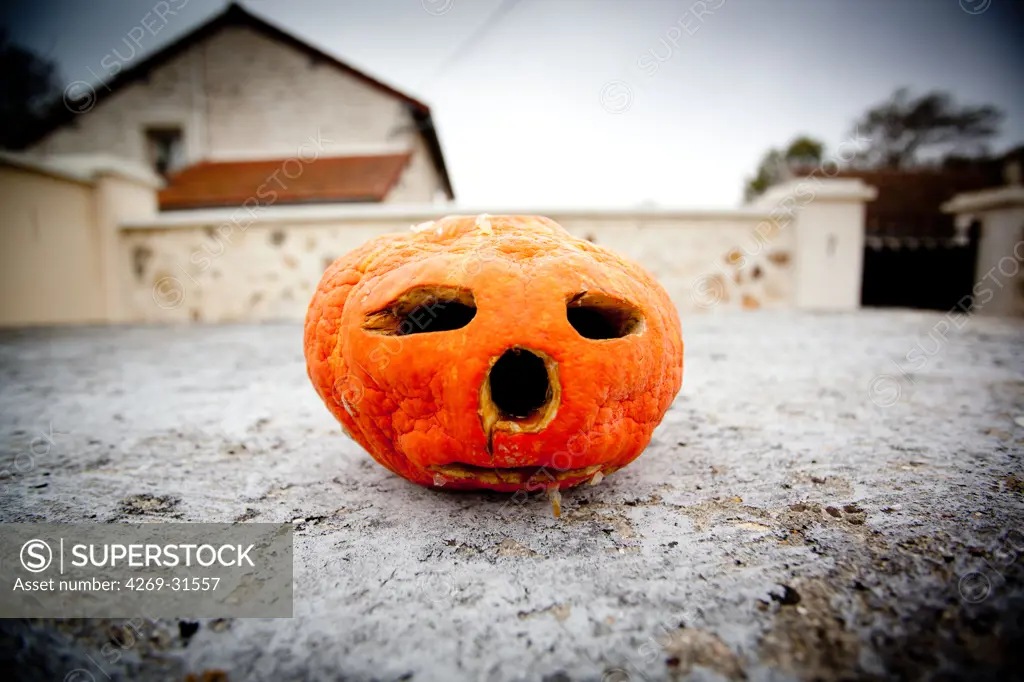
pixel 494 352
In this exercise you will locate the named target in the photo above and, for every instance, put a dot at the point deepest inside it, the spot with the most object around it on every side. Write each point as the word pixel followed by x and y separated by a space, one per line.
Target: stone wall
pixel 93 247
pixel 60 233
pixel 203 267
pixel 50 261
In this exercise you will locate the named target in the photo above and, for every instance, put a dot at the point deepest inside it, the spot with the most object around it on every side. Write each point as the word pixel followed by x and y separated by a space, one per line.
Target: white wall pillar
pixel 121 194
pixel 999 268
pixel 827 218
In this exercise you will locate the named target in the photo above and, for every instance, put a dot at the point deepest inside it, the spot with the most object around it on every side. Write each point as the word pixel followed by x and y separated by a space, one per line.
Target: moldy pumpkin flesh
pixel 494 352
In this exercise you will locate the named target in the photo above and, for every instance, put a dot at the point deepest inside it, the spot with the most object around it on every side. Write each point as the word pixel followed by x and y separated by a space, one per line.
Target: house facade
pixel 222 109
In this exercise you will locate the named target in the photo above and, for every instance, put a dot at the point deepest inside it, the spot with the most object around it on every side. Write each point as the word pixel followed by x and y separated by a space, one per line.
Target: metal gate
pixel 934 273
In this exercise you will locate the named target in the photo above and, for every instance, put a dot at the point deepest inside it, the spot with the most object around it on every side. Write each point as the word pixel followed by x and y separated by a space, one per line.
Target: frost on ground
pixel 815 506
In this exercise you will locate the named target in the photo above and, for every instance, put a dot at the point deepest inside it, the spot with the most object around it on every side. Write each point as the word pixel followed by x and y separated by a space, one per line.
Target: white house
pixel 238 107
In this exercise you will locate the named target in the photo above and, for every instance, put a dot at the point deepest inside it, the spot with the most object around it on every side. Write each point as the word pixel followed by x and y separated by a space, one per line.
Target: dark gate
pixel 934 273
pixel 915 256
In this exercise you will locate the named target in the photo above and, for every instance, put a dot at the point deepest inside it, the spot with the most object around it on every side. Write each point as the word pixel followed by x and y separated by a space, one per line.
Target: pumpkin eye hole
pixel 423 310
pixel 596 316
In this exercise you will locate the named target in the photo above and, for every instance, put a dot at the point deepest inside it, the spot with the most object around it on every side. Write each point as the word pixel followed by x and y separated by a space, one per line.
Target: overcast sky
pixel 562 102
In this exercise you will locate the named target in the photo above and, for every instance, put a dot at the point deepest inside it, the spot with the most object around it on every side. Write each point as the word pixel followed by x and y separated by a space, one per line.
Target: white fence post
pixel 999 282
pixel 827 217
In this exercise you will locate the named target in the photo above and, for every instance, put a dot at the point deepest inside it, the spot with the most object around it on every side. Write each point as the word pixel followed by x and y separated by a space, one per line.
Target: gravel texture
pixel 830 497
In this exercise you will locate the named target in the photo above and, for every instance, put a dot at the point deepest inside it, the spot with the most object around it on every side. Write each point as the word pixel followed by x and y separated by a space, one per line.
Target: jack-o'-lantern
pixel 494 352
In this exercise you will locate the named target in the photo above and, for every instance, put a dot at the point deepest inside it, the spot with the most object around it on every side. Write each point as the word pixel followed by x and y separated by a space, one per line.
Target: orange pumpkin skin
pixel 427 405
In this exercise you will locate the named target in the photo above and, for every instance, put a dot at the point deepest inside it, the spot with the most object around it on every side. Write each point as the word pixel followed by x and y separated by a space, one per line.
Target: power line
pixel 497 15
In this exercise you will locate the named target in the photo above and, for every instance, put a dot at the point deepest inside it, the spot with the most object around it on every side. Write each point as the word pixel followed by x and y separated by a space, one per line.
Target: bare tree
pixel 904 130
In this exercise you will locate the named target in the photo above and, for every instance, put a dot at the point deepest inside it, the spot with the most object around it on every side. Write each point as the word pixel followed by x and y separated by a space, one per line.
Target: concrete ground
pixel 830 497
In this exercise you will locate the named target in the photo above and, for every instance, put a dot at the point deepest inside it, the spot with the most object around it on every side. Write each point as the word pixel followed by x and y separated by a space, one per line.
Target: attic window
pixel 165 149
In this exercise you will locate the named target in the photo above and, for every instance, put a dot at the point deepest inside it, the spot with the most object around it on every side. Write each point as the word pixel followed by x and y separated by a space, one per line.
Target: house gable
pixel 238 87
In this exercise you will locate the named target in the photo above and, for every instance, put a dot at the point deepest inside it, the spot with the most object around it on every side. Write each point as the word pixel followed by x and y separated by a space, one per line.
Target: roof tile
pixel 212 184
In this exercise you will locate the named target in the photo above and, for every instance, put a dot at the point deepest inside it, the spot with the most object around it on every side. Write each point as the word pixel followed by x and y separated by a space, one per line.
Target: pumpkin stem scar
pixel 520 394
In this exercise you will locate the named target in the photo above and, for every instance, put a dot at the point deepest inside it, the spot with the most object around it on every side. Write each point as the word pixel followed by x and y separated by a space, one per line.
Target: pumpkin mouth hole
pixel 423 310
pixel 533 478
pixel 601 317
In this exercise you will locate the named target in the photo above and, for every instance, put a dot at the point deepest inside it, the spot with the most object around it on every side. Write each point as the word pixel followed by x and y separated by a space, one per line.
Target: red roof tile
pixel 213 184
